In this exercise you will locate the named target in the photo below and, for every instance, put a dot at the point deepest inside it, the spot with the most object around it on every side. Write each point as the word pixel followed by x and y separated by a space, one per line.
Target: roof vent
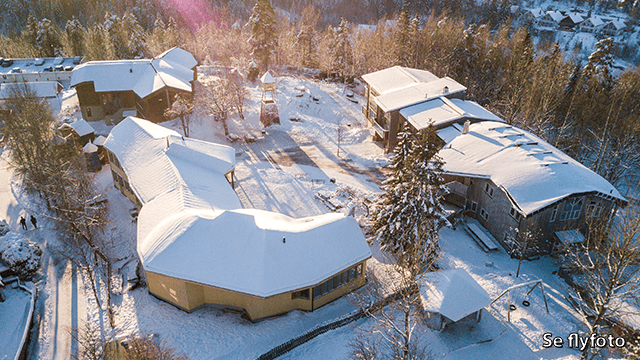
pixel 465 127
pixel 130 70
pixel 445 90
pixel 284 240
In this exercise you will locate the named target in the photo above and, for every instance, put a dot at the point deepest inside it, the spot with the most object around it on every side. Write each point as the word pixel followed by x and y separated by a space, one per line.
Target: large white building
pixel 197 244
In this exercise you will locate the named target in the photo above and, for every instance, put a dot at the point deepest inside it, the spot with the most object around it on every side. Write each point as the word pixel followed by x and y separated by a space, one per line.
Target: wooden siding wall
pixel 189 295
pixel 500 222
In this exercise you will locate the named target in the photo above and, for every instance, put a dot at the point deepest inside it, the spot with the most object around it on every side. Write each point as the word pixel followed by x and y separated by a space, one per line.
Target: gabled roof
pixel 81 127
pixel 536 12
pixel 144 77
pixel 532 172
pixel 616 24
pixel 452 293
pixel 594 20
pixel 192 225
pixel 574 17
pixel 555 15
pixel 442 111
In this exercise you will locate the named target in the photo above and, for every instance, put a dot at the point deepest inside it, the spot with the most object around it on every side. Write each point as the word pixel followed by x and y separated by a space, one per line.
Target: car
pixel 16 70
pixel 48 69
pixel 58 68
pixel 7 63
pixel 38 62
pixel 68 68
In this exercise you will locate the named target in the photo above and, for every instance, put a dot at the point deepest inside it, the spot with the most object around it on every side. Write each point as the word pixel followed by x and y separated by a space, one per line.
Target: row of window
pixel 114 160
pixel 571 210
pixel 330 285
pixel 124 184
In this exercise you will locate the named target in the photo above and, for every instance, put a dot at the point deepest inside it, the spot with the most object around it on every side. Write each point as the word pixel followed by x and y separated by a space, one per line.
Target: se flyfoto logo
pixel 574 340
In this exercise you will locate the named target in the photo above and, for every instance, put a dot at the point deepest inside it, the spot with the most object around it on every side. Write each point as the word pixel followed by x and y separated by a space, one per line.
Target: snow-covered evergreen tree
pixel 409 214
pixel 600 63
pixel 75 35
pixel 401 40
pixel 47 39
pixel 341 53
pixel 263 38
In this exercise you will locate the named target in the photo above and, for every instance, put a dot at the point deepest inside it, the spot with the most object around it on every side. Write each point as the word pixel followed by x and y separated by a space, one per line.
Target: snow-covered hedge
pixel 21 255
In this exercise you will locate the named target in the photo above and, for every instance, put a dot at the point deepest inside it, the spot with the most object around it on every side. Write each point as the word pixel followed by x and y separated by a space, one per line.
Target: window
pixel 89 113
pixel 111 157
pixel 474 206
pixel 514 214
pixel 335 282
pixel 488 189
pixel 484 214
pixel 571 209
pixel 115 177
pixel 554 213
pixel 594 209
pixel 302 294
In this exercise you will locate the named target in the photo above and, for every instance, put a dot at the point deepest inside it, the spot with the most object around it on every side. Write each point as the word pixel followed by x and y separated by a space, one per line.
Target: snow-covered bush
pixel 21 255
pixel 4 228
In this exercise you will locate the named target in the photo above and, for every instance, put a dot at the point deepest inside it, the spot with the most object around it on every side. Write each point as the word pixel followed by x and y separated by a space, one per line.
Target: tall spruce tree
pixel 401 40
pixel 409 214
pixel 263 38
pixel 75 37
pixel 341 52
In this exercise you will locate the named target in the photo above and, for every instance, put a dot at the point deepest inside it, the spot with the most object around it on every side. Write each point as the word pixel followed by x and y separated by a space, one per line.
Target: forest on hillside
pixel 588 109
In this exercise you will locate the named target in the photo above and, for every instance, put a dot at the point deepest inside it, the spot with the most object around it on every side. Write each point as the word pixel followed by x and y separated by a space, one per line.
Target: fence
pixel 323 328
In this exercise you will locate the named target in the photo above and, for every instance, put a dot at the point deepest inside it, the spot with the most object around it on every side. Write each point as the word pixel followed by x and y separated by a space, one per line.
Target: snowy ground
pixel 284 170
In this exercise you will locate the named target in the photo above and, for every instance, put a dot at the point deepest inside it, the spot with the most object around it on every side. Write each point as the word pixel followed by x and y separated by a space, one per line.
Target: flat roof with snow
pixel 442 111
pixel 187 199
pixel 452 293
pixel 172 68
pixel 41 89
pixel 533 173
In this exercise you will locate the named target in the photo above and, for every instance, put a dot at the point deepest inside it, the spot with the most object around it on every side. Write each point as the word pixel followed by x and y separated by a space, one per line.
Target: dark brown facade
pixel 493 208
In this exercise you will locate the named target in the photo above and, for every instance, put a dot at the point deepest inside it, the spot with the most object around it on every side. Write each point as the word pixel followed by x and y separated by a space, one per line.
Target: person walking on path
pixel 34 222
pixel 23 223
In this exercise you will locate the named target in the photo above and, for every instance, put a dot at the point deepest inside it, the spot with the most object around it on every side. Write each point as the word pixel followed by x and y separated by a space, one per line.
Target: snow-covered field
pixel 283 170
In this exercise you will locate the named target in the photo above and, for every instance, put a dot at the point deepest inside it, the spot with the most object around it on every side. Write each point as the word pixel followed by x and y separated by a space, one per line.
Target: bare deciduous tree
pixel 605 266
pixel 182 107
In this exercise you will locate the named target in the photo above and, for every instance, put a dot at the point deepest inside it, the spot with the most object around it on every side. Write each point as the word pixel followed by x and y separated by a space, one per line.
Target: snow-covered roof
pixel 575 17
pixel 179 56
pixel 90 148
pixel 397 77
pixel 442 111
pixel 452 293
pixel 533 173
pixel 595 21
pixel 617 24
pixel 555 15
pixel 573 236
pixel 99 141
pixel 417 93
pixel 536 12
pixel 42 89
pixel 186 199
pixel 267 78
pixel 171 69
pixel 81 127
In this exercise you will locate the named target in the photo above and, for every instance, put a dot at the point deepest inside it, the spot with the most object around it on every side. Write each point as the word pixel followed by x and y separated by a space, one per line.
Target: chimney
pixel 465 127
pixel 445 90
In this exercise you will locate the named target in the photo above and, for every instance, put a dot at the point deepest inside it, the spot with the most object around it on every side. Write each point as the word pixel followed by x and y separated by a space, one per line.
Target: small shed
pixel 451 296
pixel 81 130
pixel 91 156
